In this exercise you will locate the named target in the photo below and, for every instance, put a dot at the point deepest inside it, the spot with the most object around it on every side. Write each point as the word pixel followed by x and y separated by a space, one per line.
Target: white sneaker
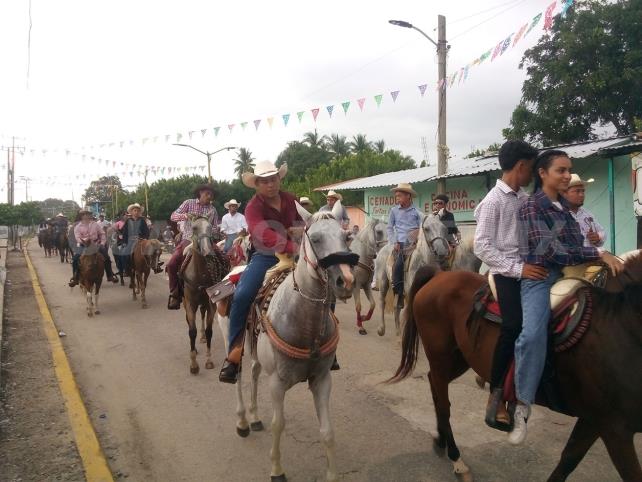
pixel 518 434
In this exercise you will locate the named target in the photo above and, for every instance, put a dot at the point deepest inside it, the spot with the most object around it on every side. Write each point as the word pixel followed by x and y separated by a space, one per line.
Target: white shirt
pixel 233 224
pixel 588 223
pixel 497 234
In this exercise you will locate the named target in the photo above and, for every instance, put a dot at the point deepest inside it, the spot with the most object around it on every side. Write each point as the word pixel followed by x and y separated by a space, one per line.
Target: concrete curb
pixel 3 278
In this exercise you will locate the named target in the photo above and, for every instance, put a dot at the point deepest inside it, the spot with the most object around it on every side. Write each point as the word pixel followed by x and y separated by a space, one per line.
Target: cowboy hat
pixel 263 169
pixel 335 195
pixel 305 200
pixel 60 215
pixel 231 201
pixel 575 181
pixel 203 187
pixel 404 187
pixel 134 206
pixel 85 211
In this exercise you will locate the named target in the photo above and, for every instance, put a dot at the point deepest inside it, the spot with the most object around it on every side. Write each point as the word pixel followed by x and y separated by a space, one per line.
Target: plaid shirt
pixel 195 208
pixel 550 236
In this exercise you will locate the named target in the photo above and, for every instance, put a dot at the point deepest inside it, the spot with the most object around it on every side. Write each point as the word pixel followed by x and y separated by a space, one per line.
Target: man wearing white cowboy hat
pixel 331 198
pixel 306 203
pixel 272 220
pixel 404 218
pixel 60 224
pixel 199 206
pixel 594 234
pixel 233 223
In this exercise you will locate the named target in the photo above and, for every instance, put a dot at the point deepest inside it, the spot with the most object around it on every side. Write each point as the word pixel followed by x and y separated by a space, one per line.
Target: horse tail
pixel 410 339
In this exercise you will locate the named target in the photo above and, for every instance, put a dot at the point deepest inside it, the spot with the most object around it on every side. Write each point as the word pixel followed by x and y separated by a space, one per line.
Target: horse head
pixel 153 250
pixel 202 236
pixel 325 252
pixel 435 235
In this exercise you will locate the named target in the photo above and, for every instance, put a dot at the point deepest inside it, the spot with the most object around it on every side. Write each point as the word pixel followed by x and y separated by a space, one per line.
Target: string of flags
pixel 460 75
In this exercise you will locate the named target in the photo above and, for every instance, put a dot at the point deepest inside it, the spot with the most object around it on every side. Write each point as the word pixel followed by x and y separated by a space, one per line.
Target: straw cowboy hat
pixel 134 206
pixel 230 202
pixel 305 200
pixel 60 215
pixel 84 211
pixel 575 181
pixel 335 195
pixel 263 169
pixel 404 187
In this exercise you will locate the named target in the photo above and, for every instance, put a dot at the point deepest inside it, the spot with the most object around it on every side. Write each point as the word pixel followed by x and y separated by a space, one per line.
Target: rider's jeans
pixel 246 290
pixel 229 239
pixel 530 347
pixel 397 270
pixel 174 264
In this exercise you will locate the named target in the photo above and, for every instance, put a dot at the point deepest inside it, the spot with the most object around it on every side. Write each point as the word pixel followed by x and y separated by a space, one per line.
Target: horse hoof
pixel 144 306
pixel 362 331
pixel 465 477
pixel 97 312
pixel 257 426
pixel 439 450
pixel 381 331
pixel 194 370
pixel 90 314
pixel 243 432
pixel 278 478
pixel 209 365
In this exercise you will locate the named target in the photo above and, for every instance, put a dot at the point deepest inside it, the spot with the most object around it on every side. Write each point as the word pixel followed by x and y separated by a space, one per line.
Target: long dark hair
pixel 544 161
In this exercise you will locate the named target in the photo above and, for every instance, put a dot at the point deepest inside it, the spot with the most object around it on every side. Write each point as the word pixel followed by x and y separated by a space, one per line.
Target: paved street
pixel 157 422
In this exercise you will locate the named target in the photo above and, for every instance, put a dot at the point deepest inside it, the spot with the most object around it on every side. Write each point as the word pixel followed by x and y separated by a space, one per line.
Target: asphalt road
pixel 157 422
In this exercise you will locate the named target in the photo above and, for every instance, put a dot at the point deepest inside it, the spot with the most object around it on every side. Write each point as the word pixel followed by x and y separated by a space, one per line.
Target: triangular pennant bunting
pixel 361 102
pixel 315 113
pixel 520 33
pixel 422 89
pixel 243 125
pixel 534 22
pixel 203 131
pixel 230 127
pixel 378 99
pixel 548 16
pixel 566 4
pixel 190 133
pixel 394 95
pixel 330 108
pixel 270 121
pixel 257 122
pixel 286 119
pixel 346 106
pixel 300 115
pixel 216 129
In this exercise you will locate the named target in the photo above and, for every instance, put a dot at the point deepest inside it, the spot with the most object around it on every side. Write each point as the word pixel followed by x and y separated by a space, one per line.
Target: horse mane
pixel 363 233
pixel 624 291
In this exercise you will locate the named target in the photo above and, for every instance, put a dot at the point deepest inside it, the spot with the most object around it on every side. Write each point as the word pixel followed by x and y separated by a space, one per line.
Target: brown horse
pixel 145 258
pixel 207 266
pixel 600 378
pixel 46 240
pixel 61 242
pixel 91 271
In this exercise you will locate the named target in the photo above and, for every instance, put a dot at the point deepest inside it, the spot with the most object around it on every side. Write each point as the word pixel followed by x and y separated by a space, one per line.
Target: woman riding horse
pixel 85 233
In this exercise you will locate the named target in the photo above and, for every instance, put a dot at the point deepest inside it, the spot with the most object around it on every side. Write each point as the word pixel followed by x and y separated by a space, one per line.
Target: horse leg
pixel 277 391
pixel 581 440
pixel 132 283
pixel 142 282
pixel 442 371
pixel 203 335
pixel 209 364
pixel 255 422
pixel 383 292
pixel 90 305
pixel 242 427
pixel 96 291
pixel 397 318
pixel 368 291
pixel 619 444
pixel 190 316
pixel 321 387
pixel 356 294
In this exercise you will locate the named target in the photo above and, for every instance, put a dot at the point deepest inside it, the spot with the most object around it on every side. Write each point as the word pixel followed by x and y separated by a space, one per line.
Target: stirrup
pixel 170 306
pixel 491 412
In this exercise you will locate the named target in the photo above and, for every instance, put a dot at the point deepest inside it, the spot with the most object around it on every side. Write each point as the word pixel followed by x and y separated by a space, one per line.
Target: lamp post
pixel 442 51
pixel 209 157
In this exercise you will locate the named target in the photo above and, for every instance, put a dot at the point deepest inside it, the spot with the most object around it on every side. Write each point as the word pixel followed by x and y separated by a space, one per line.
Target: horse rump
pixel 410 339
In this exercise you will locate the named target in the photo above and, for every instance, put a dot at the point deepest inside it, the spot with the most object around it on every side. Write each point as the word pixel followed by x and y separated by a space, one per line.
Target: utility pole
pixel 26 180
pixel 442 146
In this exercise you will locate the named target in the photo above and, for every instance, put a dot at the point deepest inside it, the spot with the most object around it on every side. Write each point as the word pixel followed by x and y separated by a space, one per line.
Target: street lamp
pixel 442 50
pixel 209 157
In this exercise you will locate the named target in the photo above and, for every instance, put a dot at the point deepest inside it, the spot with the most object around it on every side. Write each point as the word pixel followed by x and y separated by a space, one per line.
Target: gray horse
pixel 301 318
pixel 432 248
pixel 366 244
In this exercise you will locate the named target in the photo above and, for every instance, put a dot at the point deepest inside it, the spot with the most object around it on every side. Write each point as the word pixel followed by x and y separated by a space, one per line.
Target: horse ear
pixel 305 215
pixel 337 210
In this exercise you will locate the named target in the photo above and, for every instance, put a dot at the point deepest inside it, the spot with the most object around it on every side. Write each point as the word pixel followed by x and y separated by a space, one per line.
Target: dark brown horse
pixel 61 242
pixel 145 258
pixel 91 271
pixel 207 266
pixel 600 378
pixel 46 240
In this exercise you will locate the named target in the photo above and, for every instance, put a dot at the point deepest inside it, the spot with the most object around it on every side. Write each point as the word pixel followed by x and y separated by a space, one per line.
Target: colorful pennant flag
pixel 422 89
pixel 230 127
pixel 190 133
pixel 520 33
pixel 361 102
pixel 548 16
pixel 315 113
pixel 498 48
pixel 286 118
pixel 506 44
pixel 300 115
pixel 330 108
pixel 378 99
pixel 394 95
pixel 203 131
pixel 270 121
pixel 346 106
pixel 243 125
pixel 534 22
pixel 179 137
pixel 566 4
pixel 257 122
pixel 216 129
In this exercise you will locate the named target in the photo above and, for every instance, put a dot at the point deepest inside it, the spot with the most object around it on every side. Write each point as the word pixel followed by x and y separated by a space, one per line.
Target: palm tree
pixel 360 144
pixel 244 161
pixel 380 146
pixel 313 139
pixel 338 145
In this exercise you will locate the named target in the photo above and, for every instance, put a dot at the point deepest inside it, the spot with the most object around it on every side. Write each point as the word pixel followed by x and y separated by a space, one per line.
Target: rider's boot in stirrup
pixel 174 302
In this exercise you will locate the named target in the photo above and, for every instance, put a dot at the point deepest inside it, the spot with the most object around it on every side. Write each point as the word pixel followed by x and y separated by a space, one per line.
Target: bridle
pixel 431 242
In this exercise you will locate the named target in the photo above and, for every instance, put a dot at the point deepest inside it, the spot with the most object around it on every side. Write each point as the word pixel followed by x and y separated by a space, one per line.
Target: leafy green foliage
pixel 301 157
pixel 244 161
pixel 101 190
pixel 475 153
pixel 23 214
pixel 586 72
pixel 52 206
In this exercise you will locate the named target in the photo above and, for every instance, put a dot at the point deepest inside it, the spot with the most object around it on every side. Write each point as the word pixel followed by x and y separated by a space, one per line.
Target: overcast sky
pixel 101 72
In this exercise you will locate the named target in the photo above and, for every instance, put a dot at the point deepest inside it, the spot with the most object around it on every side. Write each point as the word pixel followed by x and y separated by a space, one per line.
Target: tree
pixel 360 144
pixel 244 161
pixel 475 153
pixel 586 72
pixel 101 190
pixel 23 214
pixel 52 206
pixel 300 157
pixel 338 145
pixel 380 146
pixel 313 139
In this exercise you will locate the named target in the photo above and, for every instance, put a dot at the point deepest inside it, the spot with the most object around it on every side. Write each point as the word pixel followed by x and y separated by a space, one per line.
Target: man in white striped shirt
pixel 497 245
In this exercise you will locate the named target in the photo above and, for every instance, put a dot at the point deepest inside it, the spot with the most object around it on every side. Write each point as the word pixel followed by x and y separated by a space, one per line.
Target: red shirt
pixel 268 227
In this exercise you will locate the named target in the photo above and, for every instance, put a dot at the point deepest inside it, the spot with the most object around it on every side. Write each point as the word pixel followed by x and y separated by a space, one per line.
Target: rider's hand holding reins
pixel 614 263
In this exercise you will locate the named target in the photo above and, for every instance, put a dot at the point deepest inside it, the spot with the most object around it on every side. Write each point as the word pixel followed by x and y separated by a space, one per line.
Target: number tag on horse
pixel 220 290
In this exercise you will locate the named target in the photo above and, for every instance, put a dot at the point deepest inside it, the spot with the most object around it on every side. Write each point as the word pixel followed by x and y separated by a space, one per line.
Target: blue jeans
pixel 228 241
pixel 397 271
pixel 247 289
pixel 530 347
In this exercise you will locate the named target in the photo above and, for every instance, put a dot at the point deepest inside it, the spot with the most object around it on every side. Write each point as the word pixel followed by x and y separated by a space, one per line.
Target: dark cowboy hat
pixel 442 197
pixel 204 187
pixel 84 211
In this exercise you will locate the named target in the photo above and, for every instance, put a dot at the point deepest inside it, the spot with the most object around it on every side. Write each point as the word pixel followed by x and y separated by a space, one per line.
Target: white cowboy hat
pixel 231 201
pixel 404 187
pixel 263 169
pixel 134 206
pixel 575 181
pixel 304 200
pixel 60 215
pixel 335 195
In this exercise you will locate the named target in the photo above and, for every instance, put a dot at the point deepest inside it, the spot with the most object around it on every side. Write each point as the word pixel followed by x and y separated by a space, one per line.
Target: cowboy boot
pixel 232 364
pixel 497 416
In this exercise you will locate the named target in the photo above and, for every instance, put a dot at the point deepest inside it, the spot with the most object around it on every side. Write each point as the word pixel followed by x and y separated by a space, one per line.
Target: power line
pixel 461 19
pixel 487 20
